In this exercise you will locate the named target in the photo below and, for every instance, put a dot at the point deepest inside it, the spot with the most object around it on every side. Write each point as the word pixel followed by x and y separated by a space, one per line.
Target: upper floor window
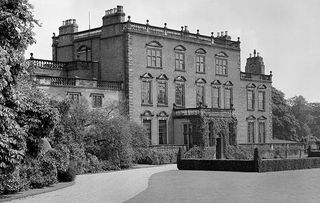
pixel 154 54
pixel 221 64
pixel 180 91
pixel 146 89
pixel 74 96
pixel 261 98
pixel 250 97
pixel 179 58
pixel 200 60
pixel 216 92
pixel 84 53
pixel 200 92
pixel 96 100
pixel 251 129
pixel 261 129
pixel 162 90
pixel 228 95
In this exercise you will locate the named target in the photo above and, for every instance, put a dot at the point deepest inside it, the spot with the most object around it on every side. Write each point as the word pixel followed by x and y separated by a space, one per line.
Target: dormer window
pixel 200 60
pixel 154 54
pixel 222 64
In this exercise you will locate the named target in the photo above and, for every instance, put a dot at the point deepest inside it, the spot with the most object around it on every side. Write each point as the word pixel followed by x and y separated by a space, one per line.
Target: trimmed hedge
pixel 155 156
pixel 255 165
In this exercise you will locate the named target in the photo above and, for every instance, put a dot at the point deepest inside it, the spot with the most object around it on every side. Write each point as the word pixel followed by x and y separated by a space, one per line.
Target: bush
pixel 156 156
pixel 237 152
pixel 68 175
pixel 201 153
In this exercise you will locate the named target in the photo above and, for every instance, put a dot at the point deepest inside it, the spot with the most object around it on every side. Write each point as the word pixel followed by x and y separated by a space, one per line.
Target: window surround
pixel 163 116
pixel 200 82
pixel 251 90
pixel 180 51
pixel 261 90
pixel 156 58
pixel 262 120
pixel 251 120
pixel 180 80
pixel 147 78
pixel 200 61
pixel 72 98
pixel 216 84
pixel 221 64
pixel 162 80
pixel 93 95
pixel 83 50
pixel 228 86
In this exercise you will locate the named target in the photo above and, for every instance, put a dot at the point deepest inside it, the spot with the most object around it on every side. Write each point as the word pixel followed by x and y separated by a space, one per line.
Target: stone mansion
pixel 184 88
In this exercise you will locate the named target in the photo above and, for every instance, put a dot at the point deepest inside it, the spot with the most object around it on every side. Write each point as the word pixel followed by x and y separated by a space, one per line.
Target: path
pixel 217 186
pixel 102 187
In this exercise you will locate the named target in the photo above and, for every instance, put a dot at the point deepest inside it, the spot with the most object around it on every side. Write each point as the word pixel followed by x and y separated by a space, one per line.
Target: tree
pixel 285 124
pixel 25 116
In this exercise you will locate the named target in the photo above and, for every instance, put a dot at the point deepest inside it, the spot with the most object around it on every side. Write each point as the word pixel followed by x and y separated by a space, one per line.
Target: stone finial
pixel 238 39
pixel 254 53
pixel 258 54
pixel 181 28
pixel 197 31
pixel 226 33
pixel 250 55
pixel 221 34
pixel 270 72
pixel 165 25
pixel 129 18
pixel 186 28
pixel 211 34
pixel 31 55
pixel 147 22
pixel 218 34
pixel 54 34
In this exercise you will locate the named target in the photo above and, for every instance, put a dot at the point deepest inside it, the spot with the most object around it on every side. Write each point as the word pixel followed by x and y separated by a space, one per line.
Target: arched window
pixel 201 60
pixel 180 58
pixel 154 54
pixel 221 64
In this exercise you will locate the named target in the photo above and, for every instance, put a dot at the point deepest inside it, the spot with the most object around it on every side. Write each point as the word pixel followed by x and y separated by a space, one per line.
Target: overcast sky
pixel 285 32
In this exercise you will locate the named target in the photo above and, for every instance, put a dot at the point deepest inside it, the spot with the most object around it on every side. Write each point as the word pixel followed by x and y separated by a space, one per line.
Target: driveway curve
pixel 108 187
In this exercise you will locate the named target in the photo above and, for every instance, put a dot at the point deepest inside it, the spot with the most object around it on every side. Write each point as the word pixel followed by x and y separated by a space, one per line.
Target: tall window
pixel 262 132
pixel 251 132
pixel 200 61
pixel 96 100
pixel 200 95
pixel 221 67
pixel 179 61
pixel 162 131
pixel 74 96
pixel 146 96
pixel 187 134
pixel 261 101
pixel 250 99
pixel 147 126
pixel 215 97
pixel 162 93
pixel 180 94
pixel 227 98
pixel 211 136
pixel 154 54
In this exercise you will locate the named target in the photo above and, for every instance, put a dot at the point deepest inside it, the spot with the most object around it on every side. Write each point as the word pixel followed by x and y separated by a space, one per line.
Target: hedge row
pixel 255 165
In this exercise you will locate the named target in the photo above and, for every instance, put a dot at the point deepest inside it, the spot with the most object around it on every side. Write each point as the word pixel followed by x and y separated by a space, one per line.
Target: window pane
pixel 179 94
pixel 162 93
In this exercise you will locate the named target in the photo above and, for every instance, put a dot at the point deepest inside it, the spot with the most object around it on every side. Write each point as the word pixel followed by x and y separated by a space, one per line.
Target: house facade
pixel 184 88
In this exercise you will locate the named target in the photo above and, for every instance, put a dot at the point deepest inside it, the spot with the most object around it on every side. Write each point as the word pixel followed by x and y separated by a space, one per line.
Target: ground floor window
pixel 187 134
pixel 162 131
pixel 147 127
pixel 262 132
pixel 211 137
pixel 250 132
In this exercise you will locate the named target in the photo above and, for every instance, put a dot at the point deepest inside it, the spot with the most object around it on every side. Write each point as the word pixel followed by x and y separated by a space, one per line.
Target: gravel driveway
pixel 116 186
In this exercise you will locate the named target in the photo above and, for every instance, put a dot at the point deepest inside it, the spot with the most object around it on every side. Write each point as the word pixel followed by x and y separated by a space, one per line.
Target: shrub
pixel 68 175
pixel 237 152
pixel 156 156
pixel 201 153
